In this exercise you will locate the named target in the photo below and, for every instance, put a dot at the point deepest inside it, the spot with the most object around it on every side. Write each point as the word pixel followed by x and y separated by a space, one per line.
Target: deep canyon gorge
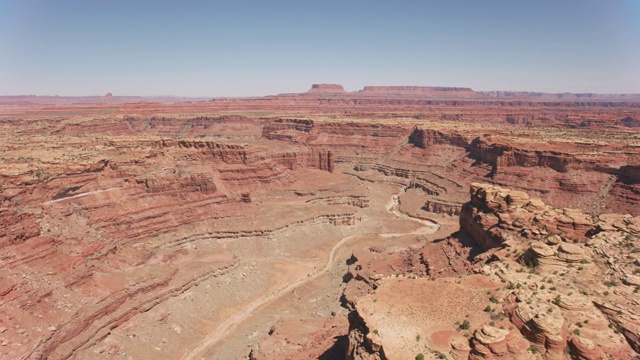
pixel 378 224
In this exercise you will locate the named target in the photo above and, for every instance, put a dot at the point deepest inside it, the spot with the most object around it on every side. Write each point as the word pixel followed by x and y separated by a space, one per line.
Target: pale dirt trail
pixel 223 329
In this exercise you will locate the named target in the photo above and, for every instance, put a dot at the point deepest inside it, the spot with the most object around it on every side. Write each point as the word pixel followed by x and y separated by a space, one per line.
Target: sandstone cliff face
pixel 273 126
pixel 564 175
pixel 630 174
pixel 442 163
pixel 424 138
pixel 499 155
pixel 346 140
pixel 199 183
pixel 627 189
pixel 276 125
pixel 495 216
pixel 519 119
pixel 258 157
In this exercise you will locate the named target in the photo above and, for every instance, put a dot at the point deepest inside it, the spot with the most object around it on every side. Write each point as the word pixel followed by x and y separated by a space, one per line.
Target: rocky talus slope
pixel 552 283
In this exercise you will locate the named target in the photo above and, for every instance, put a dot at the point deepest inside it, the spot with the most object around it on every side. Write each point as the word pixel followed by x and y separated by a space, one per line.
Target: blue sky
pixel 245 48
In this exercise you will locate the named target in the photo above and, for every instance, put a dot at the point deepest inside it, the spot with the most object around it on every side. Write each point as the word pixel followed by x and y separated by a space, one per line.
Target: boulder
pixel 541 250
pixel 570 253
pixel 584 349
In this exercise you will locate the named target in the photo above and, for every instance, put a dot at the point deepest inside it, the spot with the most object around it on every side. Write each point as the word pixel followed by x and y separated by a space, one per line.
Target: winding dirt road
pixel 223 329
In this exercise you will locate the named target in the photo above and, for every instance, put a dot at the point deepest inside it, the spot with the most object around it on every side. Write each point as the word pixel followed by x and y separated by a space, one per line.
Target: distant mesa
pixel 109 95
pixel 326 88
pixel 436 92
pixel 413 90
pixel 521 95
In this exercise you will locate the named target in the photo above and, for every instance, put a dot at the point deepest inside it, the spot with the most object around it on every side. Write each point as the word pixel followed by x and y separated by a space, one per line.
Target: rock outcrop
pixel 630 173
pixel 630 122
pixel 499 155
pixel 489 342
pixel 560 285
pixel 326 89
pixel 423 138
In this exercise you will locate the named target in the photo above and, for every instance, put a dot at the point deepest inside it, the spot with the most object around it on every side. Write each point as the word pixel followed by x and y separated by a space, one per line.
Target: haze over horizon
pixel 255 48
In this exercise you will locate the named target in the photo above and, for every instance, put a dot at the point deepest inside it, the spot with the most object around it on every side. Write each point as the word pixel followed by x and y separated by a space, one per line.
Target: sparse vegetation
pixel 440 355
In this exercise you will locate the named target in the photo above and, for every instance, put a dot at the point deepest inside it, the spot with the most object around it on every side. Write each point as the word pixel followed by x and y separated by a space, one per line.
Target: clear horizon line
pixel 302 92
